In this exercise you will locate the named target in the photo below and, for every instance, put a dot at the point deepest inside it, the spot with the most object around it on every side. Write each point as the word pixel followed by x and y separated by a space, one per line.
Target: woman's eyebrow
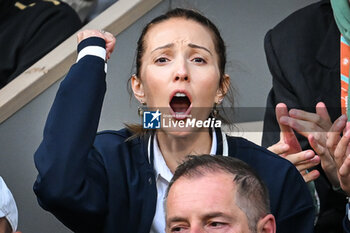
pixel 170 45
pixel 199 47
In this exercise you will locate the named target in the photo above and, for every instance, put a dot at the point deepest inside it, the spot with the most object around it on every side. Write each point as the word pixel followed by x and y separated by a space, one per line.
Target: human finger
pixel 282 110
pixel 82 35
pixel 322 111
pixel 311 176
pixel 333 135
pixel 326 159
pixel 347 127
pixel 321 117
pixel 341 149
pixel 327 162
pixel 318 147
pixel 305 165
pixel 110 41
pixel 300 157
pixel 305 116
pixel 344 175
pixel 287 134
pixel 303 127
pixel 279 148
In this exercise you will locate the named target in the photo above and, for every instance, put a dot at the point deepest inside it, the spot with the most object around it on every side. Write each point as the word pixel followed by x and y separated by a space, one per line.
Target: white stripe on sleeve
pixel 92 50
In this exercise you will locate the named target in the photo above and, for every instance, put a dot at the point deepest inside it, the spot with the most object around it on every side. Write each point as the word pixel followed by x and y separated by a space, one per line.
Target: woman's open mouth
pixel 180 105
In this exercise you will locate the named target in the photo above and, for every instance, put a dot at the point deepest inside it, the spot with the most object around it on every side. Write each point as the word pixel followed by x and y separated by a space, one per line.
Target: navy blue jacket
pixel 346 225
pixel 102 183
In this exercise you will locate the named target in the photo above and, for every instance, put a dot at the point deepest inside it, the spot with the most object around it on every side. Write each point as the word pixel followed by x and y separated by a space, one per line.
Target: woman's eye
pixel 199 60
pixel 162 60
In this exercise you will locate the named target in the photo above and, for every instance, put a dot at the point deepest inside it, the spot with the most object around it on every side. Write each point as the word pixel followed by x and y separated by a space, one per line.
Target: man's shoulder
pixel 255 155
pixel 315 17
pixel 278 174
pixel 239 144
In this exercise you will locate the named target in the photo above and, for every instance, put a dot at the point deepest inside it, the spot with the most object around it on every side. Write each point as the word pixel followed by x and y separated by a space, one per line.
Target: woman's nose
pixel 181 73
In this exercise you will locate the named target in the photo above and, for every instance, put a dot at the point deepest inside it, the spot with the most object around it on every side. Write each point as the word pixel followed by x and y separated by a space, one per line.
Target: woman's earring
pixel 140 109
pixel 215 111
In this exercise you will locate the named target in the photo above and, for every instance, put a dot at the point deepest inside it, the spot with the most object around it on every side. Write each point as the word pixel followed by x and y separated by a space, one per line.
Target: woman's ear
pixel 266 224
pixel 223 89
pixel 137 88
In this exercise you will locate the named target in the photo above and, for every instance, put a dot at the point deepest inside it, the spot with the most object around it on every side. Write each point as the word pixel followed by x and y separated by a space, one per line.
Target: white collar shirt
pixel 8 208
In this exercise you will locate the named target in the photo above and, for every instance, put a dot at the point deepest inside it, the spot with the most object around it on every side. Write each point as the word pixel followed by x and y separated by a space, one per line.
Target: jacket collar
pixel 221 149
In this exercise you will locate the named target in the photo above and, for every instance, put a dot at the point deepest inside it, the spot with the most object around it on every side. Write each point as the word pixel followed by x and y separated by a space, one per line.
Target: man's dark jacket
pixel 303 54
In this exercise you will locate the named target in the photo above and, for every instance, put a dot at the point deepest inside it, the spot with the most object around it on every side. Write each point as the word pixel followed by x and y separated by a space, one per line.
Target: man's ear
pixel 267 224
pixel 223 89
pixel 137 88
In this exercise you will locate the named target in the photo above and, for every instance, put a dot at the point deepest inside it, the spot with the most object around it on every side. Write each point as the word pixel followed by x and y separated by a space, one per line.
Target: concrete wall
pixel 243 24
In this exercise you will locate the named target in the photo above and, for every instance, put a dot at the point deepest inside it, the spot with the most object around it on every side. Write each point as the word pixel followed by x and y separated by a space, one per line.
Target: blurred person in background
pixel 308 59
pixel 29 29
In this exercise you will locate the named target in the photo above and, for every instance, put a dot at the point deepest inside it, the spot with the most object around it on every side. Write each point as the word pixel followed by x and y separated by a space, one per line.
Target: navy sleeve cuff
pixel 93 46
pixel 92 41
